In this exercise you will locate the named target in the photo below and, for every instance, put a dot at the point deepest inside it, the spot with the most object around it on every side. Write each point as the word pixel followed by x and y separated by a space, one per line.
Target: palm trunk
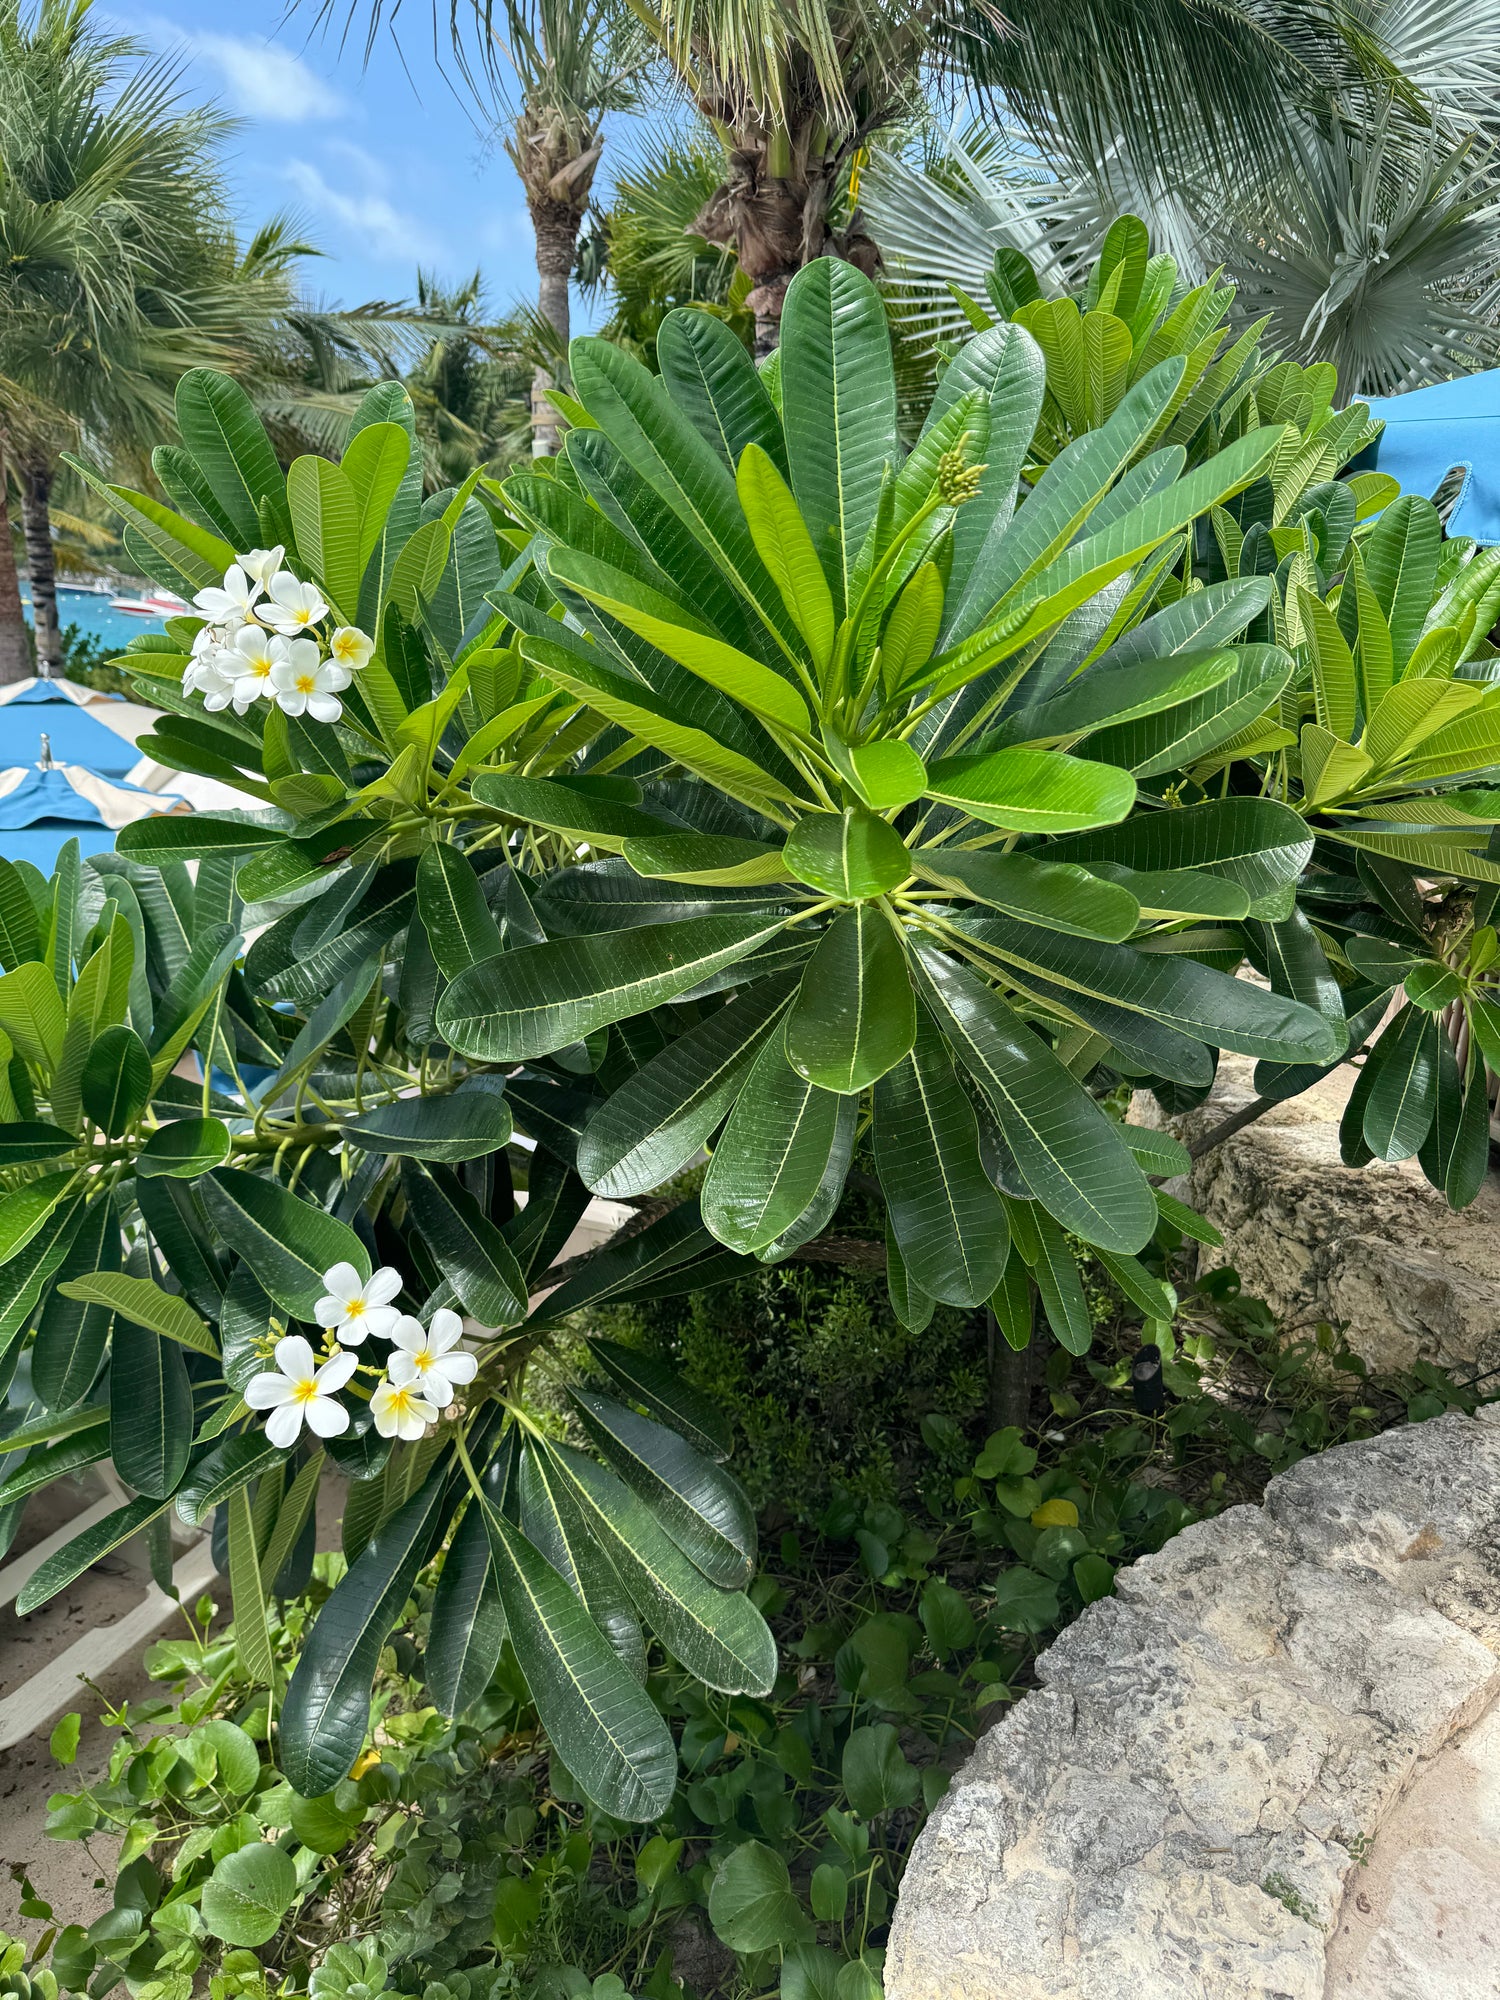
pixel 556 224
pixel 41 564
pixel 774 215
pixel 15 647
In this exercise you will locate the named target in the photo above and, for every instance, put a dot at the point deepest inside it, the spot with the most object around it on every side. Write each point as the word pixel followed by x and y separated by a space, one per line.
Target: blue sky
pixel 386 165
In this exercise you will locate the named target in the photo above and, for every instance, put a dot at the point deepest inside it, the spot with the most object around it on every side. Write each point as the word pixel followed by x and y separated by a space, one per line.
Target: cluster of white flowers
pixel 423 1370
pixel 261 639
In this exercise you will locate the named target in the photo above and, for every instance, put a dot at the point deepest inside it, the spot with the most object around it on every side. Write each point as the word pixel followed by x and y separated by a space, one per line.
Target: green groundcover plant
pixel 458 1861
pixel 745 781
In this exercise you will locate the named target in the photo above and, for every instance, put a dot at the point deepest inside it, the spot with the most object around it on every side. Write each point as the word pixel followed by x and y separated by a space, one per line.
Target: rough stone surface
pixel 1174 1813
pixel 1374 1248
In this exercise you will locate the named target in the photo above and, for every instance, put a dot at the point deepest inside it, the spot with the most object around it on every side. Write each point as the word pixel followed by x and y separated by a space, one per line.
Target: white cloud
pixel 367 212
pixel 257 78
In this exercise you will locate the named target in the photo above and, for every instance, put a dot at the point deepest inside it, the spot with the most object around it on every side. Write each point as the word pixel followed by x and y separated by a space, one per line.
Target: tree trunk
pixel 556 224
pixel 775 222
pixel 1012 1371
pixel 41 564
pixel 15 647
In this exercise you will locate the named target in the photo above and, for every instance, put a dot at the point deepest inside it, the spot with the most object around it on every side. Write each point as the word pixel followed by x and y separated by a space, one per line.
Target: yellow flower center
pixel 305 1390
pixel 355 1306
pixel 400 1398
pixel 305 683
pixel 423 1358
pixel 261 668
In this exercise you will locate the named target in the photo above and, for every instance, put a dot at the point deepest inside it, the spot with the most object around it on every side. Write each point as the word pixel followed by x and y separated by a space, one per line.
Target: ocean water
pixel 92 614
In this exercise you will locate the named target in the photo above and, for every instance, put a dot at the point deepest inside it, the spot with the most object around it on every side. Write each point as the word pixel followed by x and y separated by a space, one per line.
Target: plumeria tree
pixel 744 801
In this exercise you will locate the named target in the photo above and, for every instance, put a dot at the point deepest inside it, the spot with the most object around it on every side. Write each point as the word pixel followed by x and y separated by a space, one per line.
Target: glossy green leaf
pixel 597 1715
pixel 771 1157
pixel 185 1148
pixel 853 1017
pixel 1032 791
pixel 116 1080
pixel 325 512
pixel 1403 1100
pixel 1259 844
pixel 718 1635
pixel 715 859
pixel 469 1249
pixel 459 926
pixel 31 1013
pixel 375 462
pixel 1045 1250
pixel 468 1620
pixel 1060 895
pixel 1172 989
pixel 643 1379
pixel 943 1210
pixel 548 802
pixel 151 1410
pixel 1070 1154
pixel 232 1463
pixel 655 1122
pixel 327 1708
pixel 850 855
pixel 71 1333
pixel 96 1541
pixel 144 1304
pixel 838 410
pixel 23 1213
pixel 877 1777
pixel 463 1126
pixel 785 547
pixel 252 1632
pixel 702 1507
pixel 20 937
pixel 286 1241
pixel 30 1139
pixel 553 1519
pixel 542 997
pixel 710 376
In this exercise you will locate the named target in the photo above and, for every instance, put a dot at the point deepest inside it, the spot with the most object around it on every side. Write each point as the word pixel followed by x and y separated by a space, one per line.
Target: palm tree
pixel 797 94
pixel 571 63
pixel 113 272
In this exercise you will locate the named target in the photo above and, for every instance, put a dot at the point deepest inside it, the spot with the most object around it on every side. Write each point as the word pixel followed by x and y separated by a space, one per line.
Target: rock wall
pixel 1374 1247
pixel 1173 1815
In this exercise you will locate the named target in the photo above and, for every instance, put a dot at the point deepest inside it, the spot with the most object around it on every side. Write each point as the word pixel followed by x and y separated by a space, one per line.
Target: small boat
pixel 159 604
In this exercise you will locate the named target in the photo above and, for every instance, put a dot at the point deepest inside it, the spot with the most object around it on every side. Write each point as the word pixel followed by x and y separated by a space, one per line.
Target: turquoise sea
pixel 91 613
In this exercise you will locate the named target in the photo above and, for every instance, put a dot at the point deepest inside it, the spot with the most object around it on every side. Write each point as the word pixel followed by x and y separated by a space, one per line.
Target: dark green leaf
pixel 116 1081
pixel 287 1242
pixel 472 1254
pixel 854 1016
pixel 772 1155
pixel 1403 1100
pixel 151 1410
pixel 464 1126
pixel 327 1709
pixel 655 1122
pixel 71 1333
pixel 541 998
pixel 454 913
pixel 31 1140
pixel 599 1718
pixel 944 1211
pixel 1060 895
pixel 1069 1153
pixel 643 1379
pixel 701 1506
pixel 850 855
pixel 751 1905
pixel 184 1148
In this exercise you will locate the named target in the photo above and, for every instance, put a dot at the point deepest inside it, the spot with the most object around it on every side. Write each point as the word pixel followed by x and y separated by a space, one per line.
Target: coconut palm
pixel 113 271
pixel 562 66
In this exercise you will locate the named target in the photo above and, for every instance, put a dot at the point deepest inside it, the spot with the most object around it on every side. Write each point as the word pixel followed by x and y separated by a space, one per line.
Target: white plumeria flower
pixel 300 1389
pixel 426 1360
pixel 351 647
pixel 235 601
pixel 306 685
pixel 207 639
pixel 294 605
pixel 262 564
pixel 401 1411
pixel 355 1306
pixel 213 675
pixel 255 653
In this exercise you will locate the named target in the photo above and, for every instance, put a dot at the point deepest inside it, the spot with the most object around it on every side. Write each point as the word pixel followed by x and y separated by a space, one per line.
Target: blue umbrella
pixel 62 710
pixel 1430 431
pixel 44 805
